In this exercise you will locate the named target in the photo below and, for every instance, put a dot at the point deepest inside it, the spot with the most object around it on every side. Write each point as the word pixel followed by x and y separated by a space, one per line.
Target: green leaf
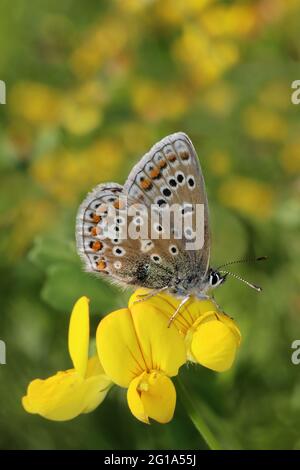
pixel 48 250
pixel 65 283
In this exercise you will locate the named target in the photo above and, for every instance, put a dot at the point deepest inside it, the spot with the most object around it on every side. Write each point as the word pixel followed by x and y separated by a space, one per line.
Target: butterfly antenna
pixel 253 286
pixel 246 260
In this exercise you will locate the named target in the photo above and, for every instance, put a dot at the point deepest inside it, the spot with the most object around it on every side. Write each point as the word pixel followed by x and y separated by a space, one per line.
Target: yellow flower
pixel 211 337
pixel 226 20
pixel 205 59
pixel 139 352
pixel 36 103
pixel 249 196
pixel 69 393
pixel 147 97
pixel 176 12
pixel 60 172
pixel 220 99
pixel 104 43
pixel 213 340
pixel 263 124
pixel 82 108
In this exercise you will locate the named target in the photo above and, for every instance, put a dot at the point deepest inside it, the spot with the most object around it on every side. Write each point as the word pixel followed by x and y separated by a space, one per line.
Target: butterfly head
pixel 214 279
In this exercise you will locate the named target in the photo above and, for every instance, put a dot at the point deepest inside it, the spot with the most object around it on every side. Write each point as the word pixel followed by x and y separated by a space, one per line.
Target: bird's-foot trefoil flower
pixel 139 352
pixel 211 337
pixel 69 393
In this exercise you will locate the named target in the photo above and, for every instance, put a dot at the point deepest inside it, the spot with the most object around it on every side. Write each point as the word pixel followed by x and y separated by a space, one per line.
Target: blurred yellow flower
pixel 211 337
pixel 290 158
pixel 264 124
pixel 61 172
pixel 139 352
pixel 69 393
pixel 205 59
pixel 135 137
pixel 155 102
pixel 176 12
pixel 249 196
pixel 104 43
pixel 82 108
pixel 39 214
pixel 36 103
pixel 219 99
pixel 235 20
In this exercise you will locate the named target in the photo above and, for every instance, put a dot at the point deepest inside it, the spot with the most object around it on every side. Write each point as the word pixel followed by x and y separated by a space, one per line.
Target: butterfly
pixel 168 175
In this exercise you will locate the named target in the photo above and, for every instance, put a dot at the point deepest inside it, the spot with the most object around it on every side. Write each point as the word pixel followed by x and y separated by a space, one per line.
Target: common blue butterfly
pixel 169 175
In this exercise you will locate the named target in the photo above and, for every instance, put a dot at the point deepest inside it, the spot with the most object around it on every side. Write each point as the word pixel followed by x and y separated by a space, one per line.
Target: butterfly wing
pixel 168 174
pixel 103 244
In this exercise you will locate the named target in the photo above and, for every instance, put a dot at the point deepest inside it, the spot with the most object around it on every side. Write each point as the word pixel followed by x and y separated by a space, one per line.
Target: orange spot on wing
pixel 95 231
pixel 155 173
pixel 172 157
pixel 119 204
pixel 101 265
pixel 97 245
pixel 162 164
pixel 146 184
pixel 184 155
pixel 96 218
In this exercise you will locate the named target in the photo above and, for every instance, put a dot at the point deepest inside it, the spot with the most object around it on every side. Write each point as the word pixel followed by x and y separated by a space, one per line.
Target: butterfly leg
pixel 212 298
pixel 182 303
pixel 150 294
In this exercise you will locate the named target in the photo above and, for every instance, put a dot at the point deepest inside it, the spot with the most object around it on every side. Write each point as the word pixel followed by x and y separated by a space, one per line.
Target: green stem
pixel 196 418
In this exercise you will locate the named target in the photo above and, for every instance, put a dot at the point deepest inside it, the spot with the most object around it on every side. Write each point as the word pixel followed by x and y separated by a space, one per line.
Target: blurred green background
pixel 90 87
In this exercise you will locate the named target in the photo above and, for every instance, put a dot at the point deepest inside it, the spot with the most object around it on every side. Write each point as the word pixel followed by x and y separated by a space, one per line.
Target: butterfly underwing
pixel 168 176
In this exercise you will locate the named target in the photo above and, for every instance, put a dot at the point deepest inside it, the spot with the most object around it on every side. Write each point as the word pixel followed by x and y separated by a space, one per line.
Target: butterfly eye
pixel 214 279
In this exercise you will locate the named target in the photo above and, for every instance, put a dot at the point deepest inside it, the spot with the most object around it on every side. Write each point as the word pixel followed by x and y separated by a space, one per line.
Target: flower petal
pixel 167 304
pixel 152 396
pixel 95 386
pixel 214 342
pixel 134 400
pixel 65 395
pixel 118 347
pixel 55 398
pixel 79 332
pixel 162 347
pixel 132 341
